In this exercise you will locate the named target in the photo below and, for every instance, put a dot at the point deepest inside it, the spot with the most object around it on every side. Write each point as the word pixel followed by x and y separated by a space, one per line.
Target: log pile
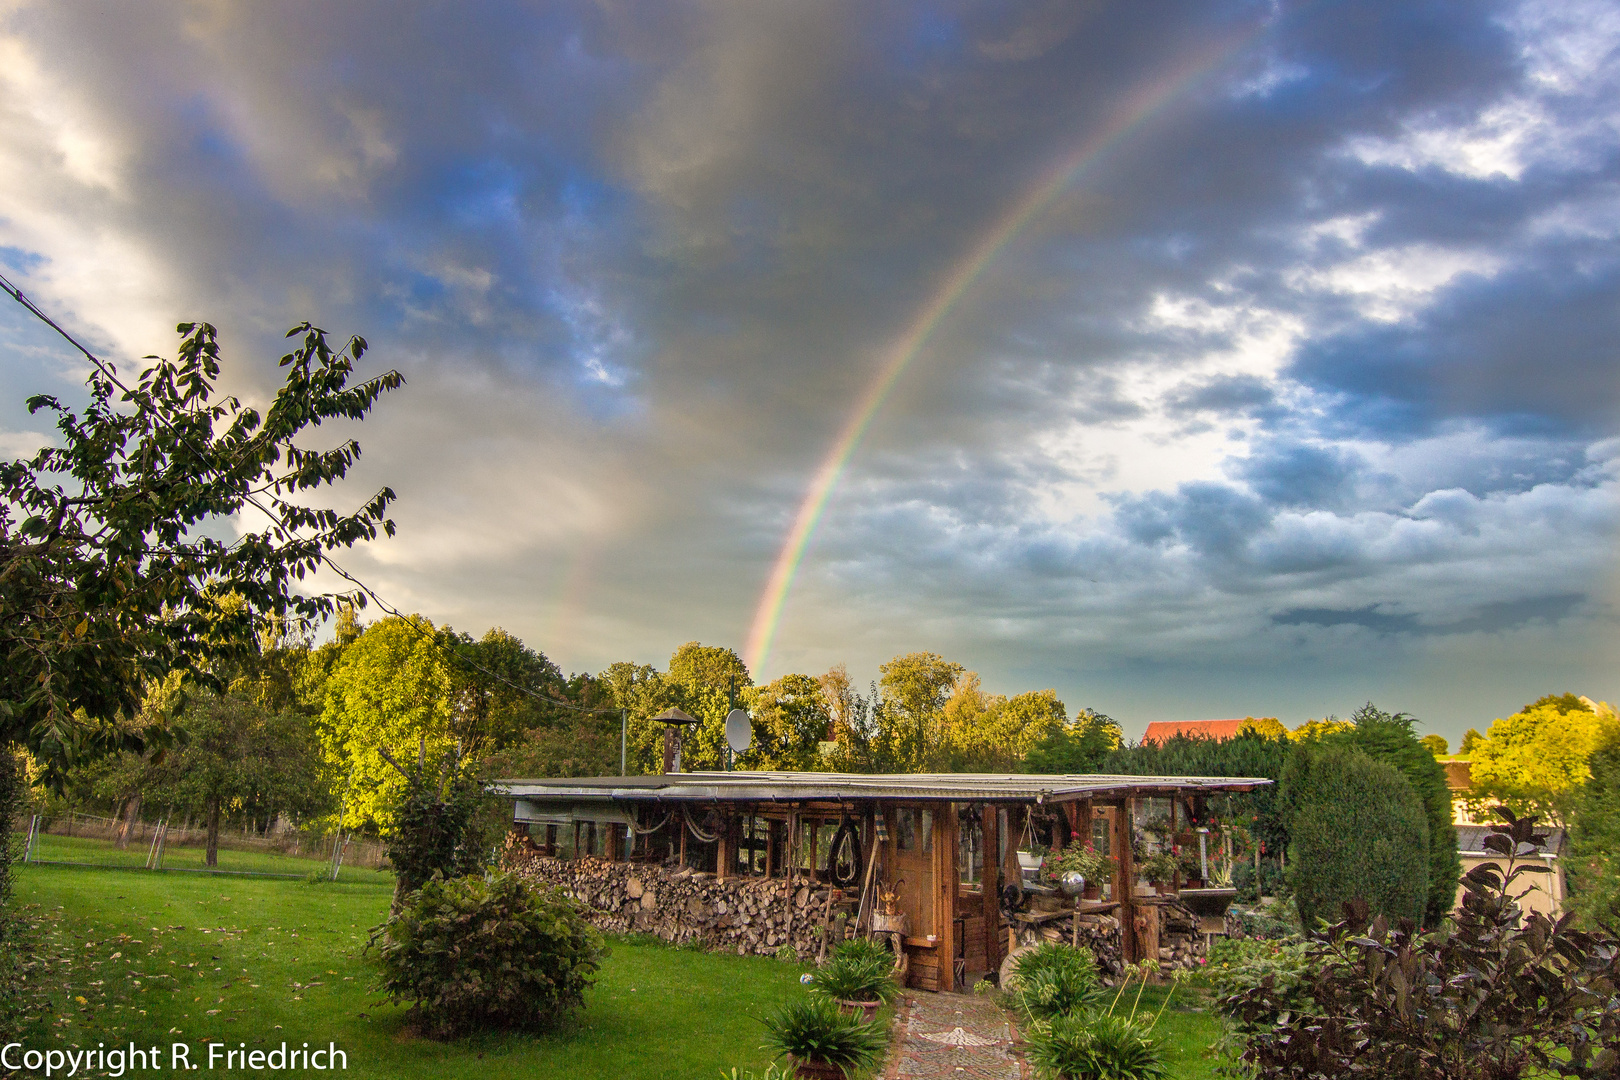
pixel 741 915
pixel 1181 944
pixel 1099 933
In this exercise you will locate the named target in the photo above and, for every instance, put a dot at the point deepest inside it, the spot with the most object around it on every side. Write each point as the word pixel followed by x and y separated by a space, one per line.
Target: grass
pixel 165 958
pixel 89 851
pixel 162 958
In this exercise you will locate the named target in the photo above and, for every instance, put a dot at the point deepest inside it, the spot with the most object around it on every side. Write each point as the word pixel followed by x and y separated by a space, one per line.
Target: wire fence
pixel 75 839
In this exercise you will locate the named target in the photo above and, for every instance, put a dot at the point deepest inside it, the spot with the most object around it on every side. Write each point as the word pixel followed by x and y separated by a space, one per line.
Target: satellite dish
pixel 739 730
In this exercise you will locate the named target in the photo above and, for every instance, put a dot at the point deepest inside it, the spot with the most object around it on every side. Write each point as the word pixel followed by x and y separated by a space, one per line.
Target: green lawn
pixel 50 848
pixel 160 958
pixel 164 958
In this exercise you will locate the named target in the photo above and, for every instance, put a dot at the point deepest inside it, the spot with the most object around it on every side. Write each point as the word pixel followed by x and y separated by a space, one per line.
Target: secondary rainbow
pixel 1132 112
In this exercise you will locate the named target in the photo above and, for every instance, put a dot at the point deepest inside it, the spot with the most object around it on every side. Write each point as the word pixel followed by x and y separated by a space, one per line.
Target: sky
pixel 1192 359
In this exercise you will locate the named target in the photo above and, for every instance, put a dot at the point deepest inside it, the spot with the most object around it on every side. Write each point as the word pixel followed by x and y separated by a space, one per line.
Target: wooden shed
pixel 943 845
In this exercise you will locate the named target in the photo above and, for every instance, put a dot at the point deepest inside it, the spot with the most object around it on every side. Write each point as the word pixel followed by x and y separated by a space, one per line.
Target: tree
pixel 1079 746
pixel 1390 738
pixel 111 574
pixel 1436 745
pixel 1331 791
pixel 1594 843
pixel 392 690
pixel 915 688
pixel 1535 761
pixel 791 721
pixel 500 689
pixel 1471 738
pixel 234 755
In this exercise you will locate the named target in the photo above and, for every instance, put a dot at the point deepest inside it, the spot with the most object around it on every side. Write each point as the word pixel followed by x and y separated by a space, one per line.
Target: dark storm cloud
pixel 1329 331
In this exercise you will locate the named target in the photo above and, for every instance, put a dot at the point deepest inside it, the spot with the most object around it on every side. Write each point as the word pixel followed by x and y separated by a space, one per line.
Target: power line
pixel 17 294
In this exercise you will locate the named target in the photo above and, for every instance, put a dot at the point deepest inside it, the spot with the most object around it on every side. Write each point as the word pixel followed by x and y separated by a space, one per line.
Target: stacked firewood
pixel 741 915
pixel 1181 944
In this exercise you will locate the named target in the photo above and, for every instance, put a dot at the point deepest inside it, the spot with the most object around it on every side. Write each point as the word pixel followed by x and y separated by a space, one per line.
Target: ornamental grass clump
pixel 1086 1041
pixel 856 976
pixel 1054 979
pixel 811 1029
pixel 487 952
pixel 1094 1046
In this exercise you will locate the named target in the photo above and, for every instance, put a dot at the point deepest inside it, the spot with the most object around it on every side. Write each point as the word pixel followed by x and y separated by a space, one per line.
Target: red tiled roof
pixel 1161 730
pixel 1459 775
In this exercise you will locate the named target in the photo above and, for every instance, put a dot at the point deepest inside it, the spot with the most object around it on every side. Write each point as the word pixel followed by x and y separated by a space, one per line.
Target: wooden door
pixel 914 867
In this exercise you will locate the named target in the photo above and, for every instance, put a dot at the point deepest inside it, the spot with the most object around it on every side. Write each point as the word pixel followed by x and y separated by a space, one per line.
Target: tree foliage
pixel 1594 853
pixel 234 756
pixel 1535 761
pixel 111 572
pixel 1390 738
pixel 1331 791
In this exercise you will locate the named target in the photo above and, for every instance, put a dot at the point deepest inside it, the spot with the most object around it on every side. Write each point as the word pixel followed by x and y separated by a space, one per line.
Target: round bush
pixel 1358 831
pixel 488 952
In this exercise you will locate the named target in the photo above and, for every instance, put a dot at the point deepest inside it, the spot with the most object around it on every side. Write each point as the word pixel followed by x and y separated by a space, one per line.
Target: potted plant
pixel 823 1042
pixel 1161 869
pixel 1192 869
pixel 1084 860
pixel 859 977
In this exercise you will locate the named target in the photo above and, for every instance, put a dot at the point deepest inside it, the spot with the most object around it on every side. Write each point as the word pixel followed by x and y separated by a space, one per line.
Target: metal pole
pixel 33 833
pixel 624 730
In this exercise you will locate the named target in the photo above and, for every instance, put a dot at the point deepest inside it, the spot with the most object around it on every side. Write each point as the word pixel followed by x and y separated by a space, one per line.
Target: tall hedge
pixel 1358 830
pixel 1247 754
pixel 1392 740
pixel 1594 852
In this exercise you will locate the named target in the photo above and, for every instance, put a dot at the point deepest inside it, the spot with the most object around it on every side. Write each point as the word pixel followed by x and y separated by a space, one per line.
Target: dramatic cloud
pixel 1288 380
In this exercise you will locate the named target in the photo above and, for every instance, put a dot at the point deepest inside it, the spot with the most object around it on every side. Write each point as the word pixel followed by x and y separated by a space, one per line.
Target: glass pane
pixel 906 828
pixel 928 831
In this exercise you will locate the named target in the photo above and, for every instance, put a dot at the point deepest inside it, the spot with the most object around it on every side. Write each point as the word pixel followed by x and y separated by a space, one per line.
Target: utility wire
pixel 17 294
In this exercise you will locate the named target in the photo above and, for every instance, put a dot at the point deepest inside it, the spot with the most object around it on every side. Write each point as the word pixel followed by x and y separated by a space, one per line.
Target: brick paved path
pixel 954 1037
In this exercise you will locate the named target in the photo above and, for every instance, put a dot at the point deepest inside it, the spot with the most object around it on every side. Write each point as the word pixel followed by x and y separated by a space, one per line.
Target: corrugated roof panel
pixel 776 786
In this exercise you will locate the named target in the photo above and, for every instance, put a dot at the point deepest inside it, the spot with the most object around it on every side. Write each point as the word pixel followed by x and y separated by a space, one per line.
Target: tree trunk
pixel 213 834
pixel 132 814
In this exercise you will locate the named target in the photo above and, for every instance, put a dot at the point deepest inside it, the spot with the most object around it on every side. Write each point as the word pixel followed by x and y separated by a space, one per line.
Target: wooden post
pixel 990 883
pixel 725 857
pixel 1125 878
pixel 680 823
pixel 946 886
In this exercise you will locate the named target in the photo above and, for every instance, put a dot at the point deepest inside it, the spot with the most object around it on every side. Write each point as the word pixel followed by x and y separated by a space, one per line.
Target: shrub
pixel 1093 1046
pixel 1238 965
pixel 1503 995
pixel 1054 979
pixel 1390 739
pixel 1594 843
pixel 857 975
pixel 1359 832
pixel 487 952
pixel 812 1029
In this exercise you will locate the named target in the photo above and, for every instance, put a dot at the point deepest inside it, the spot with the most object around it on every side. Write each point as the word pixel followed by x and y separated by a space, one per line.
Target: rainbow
pixel 1135 110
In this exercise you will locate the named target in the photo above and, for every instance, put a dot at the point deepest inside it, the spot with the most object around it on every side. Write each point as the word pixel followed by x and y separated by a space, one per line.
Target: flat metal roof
pixel 817 786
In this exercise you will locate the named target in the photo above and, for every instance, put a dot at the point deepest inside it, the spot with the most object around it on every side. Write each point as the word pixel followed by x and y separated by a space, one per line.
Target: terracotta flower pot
pixel 816 1070
pixel 1092 892
pixel 866 1010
